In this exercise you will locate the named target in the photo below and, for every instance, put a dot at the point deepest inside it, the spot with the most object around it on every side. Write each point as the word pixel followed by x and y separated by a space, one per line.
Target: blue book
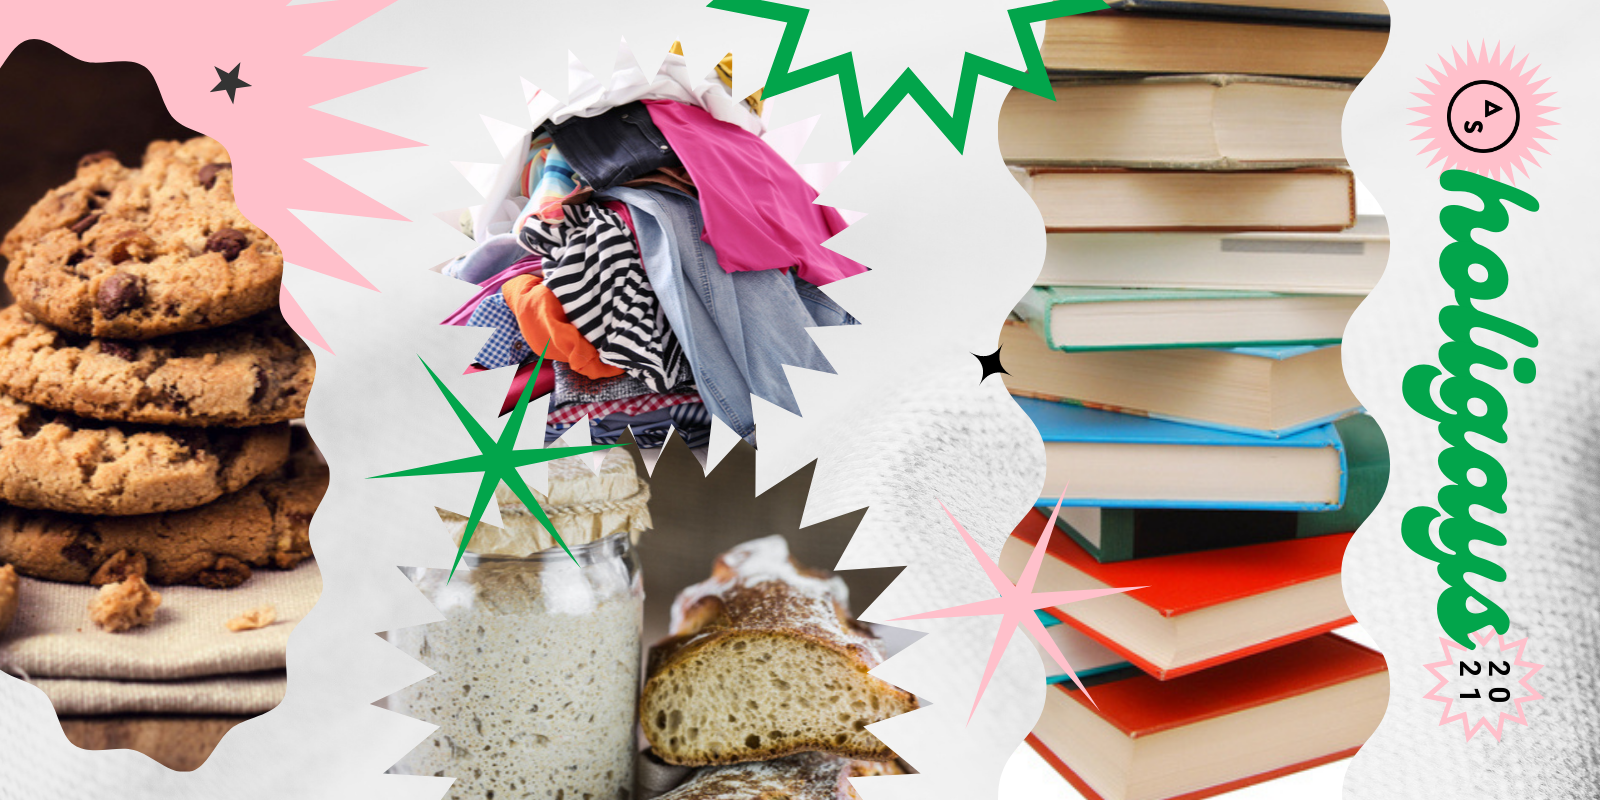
pixel 1112 460
pixel 1088 657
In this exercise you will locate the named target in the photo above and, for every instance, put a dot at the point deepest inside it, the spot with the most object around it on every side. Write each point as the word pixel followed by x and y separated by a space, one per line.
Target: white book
pixel 1345 262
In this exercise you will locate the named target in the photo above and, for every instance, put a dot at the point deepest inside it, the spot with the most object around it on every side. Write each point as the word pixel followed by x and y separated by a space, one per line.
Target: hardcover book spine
pixel 1254 13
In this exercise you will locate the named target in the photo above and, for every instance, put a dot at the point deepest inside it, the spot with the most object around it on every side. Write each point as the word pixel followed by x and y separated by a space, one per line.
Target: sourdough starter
pixel 537 684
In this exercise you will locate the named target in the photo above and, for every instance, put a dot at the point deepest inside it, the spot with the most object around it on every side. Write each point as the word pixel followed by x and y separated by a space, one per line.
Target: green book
pixel 1076 318
pixel 1122 534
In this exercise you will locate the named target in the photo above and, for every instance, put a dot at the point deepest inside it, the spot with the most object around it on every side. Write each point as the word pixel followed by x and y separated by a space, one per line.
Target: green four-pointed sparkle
pixel 498 460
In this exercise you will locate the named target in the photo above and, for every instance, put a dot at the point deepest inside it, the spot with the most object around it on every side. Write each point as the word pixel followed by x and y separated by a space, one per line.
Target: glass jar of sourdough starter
pixel 538 673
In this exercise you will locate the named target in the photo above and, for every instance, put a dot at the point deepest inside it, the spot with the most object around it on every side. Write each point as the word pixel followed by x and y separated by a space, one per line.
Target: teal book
pixel 1076 318
pixel 1271 391
pixel 1103 459
pixel 1122 534
pixel 1089 658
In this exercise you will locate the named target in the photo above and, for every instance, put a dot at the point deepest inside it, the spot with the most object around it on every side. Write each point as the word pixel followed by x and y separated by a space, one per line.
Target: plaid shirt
pixel 505 347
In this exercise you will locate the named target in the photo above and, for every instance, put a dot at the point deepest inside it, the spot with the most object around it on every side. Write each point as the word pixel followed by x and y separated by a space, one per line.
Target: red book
pixel 1273 713
pixel 1198 610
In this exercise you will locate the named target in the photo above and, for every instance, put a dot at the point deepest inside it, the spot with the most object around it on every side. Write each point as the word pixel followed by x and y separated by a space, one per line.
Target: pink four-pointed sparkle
pixel 1016 604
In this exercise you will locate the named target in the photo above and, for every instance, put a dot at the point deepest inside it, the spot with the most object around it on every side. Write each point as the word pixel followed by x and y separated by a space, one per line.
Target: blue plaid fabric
pixel 505 347
pixel 692 421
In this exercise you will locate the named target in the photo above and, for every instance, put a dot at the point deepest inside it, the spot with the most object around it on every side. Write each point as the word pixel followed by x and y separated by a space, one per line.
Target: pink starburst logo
pixel 1484 113
pixel 1486 688
pixel 1016 604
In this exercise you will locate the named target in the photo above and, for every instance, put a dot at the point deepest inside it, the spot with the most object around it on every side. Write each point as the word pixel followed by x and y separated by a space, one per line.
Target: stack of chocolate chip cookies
pixel 147 382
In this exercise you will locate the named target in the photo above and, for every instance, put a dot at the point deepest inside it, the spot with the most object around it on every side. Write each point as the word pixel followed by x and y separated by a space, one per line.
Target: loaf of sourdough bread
pixel 765 661
pixel 805 776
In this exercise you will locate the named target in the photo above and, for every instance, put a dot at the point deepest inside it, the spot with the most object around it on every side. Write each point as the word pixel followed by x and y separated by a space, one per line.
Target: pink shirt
pixel 759 213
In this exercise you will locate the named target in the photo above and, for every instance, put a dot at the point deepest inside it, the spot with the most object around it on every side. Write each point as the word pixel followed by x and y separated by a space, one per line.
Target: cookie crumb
pixel 124 605
pixel 254 618
pixel 8 596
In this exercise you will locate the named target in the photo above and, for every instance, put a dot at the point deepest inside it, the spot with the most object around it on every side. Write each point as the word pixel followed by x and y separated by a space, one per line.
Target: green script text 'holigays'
pixel 1469 406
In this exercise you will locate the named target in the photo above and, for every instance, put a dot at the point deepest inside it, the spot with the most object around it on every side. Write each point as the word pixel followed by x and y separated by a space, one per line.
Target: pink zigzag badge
pixel 1017 603
pixel 1482 682
pixel 1484 113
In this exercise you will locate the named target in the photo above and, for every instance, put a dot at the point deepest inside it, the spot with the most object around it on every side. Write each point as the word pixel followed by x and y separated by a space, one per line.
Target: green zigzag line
pixel 864 122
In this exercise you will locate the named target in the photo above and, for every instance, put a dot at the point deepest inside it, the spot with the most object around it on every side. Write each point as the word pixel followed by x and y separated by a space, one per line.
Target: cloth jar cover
pixel 584 505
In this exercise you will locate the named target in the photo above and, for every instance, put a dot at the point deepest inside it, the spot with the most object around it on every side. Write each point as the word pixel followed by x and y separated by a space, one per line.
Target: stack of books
pixel 1180 357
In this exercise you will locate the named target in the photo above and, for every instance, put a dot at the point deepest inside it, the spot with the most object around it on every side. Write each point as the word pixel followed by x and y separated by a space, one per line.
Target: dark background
pixel 58 109
pixel 697 516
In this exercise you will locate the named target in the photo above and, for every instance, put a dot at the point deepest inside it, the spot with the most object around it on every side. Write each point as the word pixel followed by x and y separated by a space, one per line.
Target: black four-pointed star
pixel 229 81
pixel 991 364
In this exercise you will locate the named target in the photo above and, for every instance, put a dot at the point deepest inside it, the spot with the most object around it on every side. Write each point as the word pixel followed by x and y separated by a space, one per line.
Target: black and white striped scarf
pixel 593 269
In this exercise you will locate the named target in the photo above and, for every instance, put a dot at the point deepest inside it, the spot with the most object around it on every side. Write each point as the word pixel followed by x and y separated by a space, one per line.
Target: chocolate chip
pixel 194 441
pixel 208 173
pixel 175 401
pixel 263 385
pixel 82 549
pixel 119 350
pixel 30 424
pixel 121 566
pixel 118 293
pixel 224 573
pixel 92 158
pixel 85 224
pixel 229 242
pixel 76 258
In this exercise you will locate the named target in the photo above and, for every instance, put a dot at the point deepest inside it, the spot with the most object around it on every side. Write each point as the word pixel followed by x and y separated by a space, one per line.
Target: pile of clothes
pixel 660 255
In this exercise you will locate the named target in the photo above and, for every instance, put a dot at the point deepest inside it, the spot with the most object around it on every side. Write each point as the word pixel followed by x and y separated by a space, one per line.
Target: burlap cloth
pixel 81 667
pixel 239 695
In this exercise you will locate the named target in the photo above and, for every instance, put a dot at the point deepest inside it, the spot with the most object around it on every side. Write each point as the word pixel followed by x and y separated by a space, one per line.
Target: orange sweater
pixel 541 319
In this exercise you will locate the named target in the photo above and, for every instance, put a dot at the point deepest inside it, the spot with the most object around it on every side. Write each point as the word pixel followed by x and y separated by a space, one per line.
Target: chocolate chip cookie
pixel 60 462
pixel 138 253
pixel 8 596
pixel 253 372
pixel 265 524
